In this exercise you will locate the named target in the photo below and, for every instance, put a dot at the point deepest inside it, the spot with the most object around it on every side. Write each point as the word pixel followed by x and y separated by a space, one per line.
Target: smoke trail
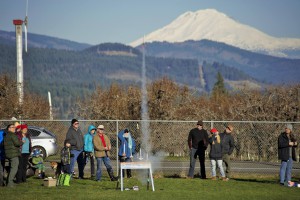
pixel 146 145
pixel 145 116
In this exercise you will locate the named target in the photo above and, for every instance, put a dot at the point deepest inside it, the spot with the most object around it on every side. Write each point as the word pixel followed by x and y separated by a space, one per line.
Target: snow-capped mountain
pixel 216 26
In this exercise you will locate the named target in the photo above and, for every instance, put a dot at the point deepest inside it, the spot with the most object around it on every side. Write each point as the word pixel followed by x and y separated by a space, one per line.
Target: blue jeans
pixel 77 156
pixel 107 164
pixel 220 166
pixel 286 170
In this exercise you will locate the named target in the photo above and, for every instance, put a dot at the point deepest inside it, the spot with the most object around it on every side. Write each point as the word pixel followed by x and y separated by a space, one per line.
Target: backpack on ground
pixel 63 180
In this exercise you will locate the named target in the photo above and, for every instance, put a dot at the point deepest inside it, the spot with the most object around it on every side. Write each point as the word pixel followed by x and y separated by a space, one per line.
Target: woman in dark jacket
pixel 286 153
pixel 215 154
pixel 25 153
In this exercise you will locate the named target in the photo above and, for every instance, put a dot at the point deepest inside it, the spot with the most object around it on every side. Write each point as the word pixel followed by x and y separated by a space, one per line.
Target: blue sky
pixel 99 21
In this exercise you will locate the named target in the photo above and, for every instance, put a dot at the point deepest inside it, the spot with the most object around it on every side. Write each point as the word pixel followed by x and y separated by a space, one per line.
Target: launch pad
pixel 137 165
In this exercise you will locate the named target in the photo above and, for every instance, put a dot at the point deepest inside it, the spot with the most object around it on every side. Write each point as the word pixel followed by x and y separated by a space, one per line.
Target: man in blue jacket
pixel 88 148
pixel 2 157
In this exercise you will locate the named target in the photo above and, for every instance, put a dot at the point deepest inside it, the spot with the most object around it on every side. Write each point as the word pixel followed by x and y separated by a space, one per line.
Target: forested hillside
pixel 69 75
pixel 264 68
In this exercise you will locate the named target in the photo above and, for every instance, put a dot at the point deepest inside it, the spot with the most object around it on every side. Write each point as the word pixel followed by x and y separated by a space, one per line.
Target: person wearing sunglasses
pixel 12 152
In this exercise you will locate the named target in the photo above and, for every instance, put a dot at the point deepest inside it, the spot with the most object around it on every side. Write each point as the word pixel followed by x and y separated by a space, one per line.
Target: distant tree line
pixel 166 101
pixel 33 107
pixel 169 101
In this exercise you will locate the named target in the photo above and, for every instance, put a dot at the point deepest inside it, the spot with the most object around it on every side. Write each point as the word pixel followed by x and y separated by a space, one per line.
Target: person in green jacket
pixel 12 152
pixel 38 162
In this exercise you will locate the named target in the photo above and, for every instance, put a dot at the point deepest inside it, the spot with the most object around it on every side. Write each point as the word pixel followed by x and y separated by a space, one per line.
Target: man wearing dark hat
pixel 75 138
pixel 197 141
pixel 227 143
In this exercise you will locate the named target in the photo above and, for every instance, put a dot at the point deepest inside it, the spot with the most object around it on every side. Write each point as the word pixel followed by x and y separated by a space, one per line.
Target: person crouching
pixel 38 162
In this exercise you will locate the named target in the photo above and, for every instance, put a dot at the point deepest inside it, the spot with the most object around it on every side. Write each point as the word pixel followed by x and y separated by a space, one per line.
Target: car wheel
pixel 41 149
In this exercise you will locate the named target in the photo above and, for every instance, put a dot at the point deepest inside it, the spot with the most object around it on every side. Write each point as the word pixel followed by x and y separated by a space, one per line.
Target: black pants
pixel 202 164
pixel 128 171
pixel 2 167
pixel 23 162
pixel 88 156
pixel 66 169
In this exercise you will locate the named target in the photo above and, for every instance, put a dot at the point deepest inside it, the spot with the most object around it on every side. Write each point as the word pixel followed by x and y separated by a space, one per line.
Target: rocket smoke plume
pixel 145 116
pixel 145 128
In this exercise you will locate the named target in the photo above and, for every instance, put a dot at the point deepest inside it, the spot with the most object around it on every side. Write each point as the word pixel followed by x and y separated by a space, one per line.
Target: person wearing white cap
pixel 102 147
pixel 286 153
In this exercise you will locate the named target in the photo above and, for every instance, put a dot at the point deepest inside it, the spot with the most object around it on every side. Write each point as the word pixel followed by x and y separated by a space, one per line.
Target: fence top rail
pixel 162 121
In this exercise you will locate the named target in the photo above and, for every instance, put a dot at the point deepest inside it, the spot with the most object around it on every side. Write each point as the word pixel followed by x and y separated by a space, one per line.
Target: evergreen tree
pixel 219 89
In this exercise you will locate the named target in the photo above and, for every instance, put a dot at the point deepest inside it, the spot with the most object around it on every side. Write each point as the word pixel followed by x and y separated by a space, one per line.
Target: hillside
pixel 42 41
pixel 75 74
pixel 264 68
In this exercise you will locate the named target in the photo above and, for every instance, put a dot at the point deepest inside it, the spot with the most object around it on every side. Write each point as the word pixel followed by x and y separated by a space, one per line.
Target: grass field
pixel 165 188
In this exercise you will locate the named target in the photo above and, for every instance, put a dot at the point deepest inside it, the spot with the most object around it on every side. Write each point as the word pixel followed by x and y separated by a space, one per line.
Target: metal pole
pixel 50 106
pixel 19 51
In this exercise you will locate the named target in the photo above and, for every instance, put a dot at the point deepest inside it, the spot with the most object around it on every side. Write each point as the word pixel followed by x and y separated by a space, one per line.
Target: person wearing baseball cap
pixel 227 142
pixel 286 153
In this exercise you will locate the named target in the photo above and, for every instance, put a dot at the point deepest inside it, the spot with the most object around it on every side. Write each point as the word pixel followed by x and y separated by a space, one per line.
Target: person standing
pixel 25 153
pixel 12 152
pixel 197 142
pixel 89 148
pixel 227 143
pixel 102 148
pixel 286 153
pixel 126 149
pixel 2 158
pixel 215 154
pixel 75 138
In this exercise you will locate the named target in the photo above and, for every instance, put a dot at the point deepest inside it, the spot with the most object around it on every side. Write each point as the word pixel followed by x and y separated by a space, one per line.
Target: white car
pixel 43 140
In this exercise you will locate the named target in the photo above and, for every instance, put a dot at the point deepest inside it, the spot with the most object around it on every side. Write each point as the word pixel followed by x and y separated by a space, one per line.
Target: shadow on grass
pixel 197 176
pixel 256 180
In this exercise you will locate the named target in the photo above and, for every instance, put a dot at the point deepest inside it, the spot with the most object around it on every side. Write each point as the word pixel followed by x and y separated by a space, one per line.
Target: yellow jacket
pixel 99 148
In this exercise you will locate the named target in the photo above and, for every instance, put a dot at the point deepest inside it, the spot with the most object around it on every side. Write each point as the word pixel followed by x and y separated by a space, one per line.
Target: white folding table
pixel 136 165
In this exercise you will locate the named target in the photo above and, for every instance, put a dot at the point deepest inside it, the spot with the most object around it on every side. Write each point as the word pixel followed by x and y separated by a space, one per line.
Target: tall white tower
pixel 18 24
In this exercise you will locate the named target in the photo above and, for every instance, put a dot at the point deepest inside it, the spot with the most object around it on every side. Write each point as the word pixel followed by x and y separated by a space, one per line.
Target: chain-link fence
pixel 255 142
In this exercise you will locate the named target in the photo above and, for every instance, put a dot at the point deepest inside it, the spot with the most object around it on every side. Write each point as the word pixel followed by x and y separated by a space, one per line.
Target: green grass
pixel 165 188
